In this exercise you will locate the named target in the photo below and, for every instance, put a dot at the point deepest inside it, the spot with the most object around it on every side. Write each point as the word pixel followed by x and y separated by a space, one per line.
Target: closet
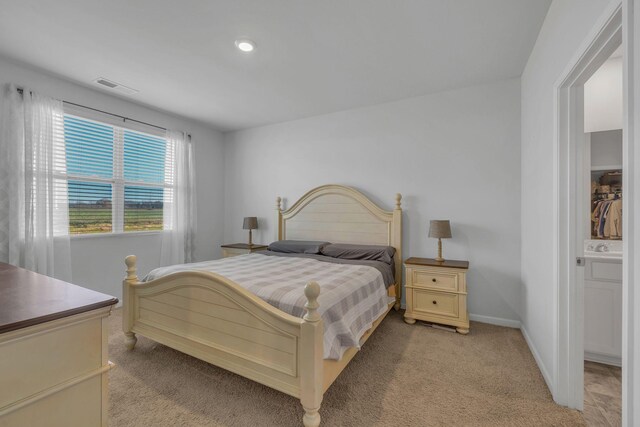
pixel 606 204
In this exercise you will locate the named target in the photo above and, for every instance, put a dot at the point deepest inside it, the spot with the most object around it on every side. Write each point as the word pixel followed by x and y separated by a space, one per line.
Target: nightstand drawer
pixel 229 252
pixel 433 302
pixel 433 280
pixel 240 249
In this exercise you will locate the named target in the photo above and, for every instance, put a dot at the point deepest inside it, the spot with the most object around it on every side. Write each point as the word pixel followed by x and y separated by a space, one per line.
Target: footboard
pixel 214 319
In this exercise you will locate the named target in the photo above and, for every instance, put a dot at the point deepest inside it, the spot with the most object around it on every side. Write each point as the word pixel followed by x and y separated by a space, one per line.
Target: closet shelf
pixel 605 168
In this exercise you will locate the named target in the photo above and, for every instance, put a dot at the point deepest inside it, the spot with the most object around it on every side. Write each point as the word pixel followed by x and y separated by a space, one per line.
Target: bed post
pixel 311 362
pixel 397 243
pixel 127 301
pixel 279 218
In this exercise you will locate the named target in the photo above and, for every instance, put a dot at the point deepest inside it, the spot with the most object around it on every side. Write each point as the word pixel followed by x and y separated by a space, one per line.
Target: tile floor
pixel 602 395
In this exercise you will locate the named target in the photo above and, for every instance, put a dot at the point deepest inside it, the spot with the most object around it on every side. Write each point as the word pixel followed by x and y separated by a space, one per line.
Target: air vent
pixel 115 86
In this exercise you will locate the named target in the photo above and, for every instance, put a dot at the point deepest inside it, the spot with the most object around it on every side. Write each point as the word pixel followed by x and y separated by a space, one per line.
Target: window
pixel 116 177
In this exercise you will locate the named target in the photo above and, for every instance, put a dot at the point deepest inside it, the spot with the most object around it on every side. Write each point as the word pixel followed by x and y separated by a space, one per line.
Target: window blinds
pixel 116 177
pixel 144 181
pixel 89 154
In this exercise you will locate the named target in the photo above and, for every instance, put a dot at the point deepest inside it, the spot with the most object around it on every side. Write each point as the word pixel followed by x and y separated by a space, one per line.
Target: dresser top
pixel 430 262
pixel 28 298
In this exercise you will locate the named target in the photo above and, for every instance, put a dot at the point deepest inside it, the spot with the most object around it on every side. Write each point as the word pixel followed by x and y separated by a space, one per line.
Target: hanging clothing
pixel 613 221
pixel 606 219
pixel 603 219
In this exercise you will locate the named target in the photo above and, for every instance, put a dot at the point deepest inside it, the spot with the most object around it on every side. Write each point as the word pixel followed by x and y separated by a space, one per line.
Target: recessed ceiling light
pixel 245 45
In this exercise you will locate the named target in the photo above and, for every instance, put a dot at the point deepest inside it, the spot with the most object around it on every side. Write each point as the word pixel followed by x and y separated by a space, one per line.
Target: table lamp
pixel 440 229
pixel 250 223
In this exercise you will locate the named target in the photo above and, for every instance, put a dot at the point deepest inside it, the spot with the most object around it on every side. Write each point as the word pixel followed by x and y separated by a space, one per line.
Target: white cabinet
pixel 603 311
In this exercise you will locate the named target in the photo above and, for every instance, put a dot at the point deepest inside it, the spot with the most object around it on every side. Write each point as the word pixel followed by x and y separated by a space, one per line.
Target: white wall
pixel 98 261
pixel 603 98
pixel 453 155
pixel 606 148
pixel 567 24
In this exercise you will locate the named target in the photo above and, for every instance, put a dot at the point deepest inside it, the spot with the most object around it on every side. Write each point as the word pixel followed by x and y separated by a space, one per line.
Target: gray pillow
pixel 297 246
pixel 362 252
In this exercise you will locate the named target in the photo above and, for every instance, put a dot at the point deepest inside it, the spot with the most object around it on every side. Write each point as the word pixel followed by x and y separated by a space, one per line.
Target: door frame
pixel 631 209
pixel 569 200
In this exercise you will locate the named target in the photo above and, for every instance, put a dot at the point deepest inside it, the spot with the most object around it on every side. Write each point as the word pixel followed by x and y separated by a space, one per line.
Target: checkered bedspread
pixel 352 297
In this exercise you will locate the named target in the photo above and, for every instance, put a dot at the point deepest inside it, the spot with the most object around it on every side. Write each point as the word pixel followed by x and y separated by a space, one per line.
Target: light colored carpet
pixel 405 375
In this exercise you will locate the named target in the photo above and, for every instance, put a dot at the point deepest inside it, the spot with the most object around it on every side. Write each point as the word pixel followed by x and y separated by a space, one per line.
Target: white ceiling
pixel 312 57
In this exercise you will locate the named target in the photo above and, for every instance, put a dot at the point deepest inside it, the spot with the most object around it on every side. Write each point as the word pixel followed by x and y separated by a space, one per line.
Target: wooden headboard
pixel 340 214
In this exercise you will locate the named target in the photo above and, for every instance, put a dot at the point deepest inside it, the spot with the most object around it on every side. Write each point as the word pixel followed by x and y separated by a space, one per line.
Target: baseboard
pixel 538 359
pixel 603 358
pixel 509 323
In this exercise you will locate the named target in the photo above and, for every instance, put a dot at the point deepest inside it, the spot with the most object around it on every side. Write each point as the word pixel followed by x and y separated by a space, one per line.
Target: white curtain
pixel 33 197
pixel 179 201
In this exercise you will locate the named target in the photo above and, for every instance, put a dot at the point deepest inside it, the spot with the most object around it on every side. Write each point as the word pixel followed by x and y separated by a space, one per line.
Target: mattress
pixel 352 296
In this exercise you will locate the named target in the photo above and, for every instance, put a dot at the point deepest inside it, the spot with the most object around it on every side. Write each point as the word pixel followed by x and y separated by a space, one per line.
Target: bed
pixel 244 334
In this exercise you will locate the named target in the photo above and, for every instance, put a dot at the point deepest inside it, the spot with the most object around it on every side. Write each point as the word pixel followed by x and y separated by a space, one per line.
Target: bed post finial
pixel 398 200
pixel 278 204
pixel 312 291
pixel 131 262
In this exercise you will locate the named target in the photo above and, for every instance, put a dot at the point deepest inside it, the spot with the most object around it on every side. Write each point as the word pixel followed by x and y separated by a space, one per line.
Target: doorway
pixel 602 243
pixel 571 201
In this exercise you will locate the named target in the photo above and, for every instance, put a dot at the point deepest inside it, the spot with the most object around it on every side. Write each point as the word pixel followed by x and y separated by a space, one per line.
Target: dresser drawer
pixel 435 280
pixel 39 361
pixel 433 302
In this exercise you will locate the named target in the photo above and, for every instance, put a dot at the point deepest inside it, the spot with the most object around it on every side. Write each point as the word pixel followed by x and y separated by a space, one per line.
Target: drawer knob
pixel 435 302
pixel 433 280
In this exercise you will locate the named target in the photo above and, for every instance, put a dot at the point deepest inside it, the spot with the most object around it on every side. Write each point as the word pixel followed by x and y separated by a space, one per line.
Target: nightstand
pixel 240 249
pixel 437 292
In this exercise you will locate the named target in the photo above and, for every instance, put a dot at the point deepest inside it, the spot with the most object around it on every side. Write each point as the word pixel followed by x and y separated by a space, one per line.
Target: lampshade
pixel 250 223
pixel 440 229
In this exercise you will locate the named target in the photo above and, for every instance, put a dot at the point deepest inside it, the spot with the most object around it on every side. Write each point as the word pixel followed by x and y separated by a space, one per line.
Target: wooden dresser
pixel 240 249
pixel 53 351
pixel 437 292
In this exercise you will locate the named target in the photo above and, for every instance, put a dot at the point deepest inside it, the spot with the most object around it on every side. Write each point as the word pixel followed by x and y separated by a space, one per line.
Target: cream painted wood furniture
pixel 235 249
pixel 53 352
pixel 214 319
pixel 437 292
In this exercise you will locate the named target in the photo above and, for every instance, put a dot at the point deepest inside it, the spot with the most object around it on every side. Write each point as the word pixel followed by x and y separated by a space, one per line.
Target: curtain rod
pixel 21 91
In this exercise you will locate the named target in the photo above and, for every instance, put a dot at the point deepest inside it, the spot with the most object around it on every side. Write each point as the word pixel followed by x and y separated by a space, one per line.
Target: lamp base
pixel 439 257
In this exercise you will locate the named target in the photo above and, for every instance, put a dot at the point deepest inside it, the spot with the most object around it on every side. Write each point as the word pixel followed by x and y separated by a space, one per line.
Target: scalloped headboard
pixel 340 214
